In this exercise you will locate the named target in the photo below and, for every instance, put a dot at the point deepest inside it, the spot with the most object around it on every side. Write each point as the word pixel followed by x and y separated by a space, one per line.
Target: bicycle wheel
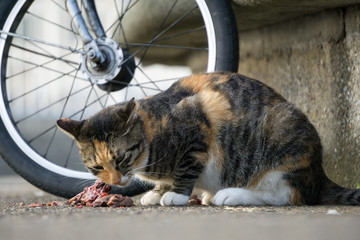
pixel 42 78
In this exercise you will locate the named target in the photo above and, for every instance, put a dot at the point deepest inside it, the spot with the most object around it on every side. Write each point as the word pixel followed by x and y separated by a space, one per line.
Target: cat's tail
pixel 333 194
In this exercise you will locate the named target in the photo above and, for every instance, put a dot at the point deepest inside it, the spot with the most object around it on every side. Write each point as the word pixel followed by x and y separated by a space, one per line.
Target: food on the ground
pixel 113 200
pixel 96 195
pixel 194 200
pixel 53 203
pixel 90 194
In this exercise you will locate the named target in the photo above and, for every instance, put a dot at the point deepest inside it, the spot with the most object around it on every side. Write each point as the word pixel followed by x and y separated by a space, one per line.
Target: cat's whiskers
pixel 147 165
pixel 145 173
pixel 82 182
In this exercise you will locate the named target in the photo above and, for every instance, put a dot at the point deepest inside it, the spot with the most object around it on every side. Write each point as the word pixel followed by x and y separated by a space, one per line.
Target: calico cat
pixel 233 137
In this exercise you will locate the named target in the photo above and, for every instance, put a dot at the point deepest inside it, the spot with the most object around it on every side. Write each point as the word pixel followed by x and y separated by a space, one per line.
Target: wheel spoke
pixel 47 83
pixel 87 101
pixel 126 94
pixel 50 105
pixel 150 80
pixel 158 30
pixel 70 116
pixel 47 52
pixel 69 154
pixel 118 22
pixel 107 98
pixel 137 83
pixel 88 105
pixel 147 45
pixel 41 86
pixel 173 24
pixel 161 80
pixel 41 134
pixel 36 65
pixel 181 34
pixel 62 112
pixel 97 95
pixel 112 97
pixel 52 23
pixel 31 39
pixel 82 114
pixel 128 7
pixel 61 7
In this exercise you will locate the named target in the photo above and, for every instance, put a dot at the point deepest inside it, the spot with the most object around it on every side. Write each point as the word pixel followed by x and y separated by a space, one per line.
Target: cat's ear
pixel 70 127
pixel 130 106
pixel 128 111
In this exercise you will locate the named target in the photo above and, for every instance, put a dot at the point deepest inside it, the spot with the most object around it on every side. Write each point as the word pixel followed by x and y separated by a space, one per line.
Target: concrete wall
pixel 251 14
pixel 314 62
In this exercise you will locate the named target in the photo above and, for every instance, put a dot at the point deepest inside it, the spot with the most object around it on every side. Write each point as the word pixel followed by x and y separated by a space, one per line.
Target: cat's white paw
pixel 235 197
pixel 150 198
pixel 172 198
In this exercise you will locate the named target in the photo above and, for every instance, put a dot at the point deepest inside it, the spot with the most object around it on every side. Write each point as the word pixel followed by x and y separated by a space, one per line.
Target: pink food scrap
pixel 98 195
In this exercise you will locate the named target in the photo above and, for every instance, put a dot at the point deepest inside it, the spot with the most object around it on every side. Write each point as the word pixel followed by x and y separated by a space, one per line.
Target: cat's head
pixel 112 143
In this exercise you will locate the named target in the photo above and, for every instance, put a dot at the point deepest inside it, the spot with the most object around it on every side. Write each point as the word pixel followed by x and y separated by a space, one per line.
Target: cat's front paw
pixel 172 198
pixel 150 198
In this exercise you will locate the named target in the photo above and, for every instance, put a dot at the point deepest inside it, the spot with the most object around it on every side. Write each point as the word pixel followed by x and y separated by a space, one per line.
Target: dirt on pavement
pixel 192 222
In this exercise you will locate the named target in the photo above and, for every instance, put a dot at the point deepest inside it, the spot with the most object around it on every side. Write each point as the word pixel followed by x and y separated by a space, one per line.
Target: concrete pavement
pixel 198 222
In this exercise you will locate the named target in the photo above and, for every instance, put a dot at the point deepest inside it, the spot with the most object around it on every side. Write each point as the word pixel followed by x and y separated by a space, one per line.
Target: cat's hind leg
pixel 237 196
pixel 272 189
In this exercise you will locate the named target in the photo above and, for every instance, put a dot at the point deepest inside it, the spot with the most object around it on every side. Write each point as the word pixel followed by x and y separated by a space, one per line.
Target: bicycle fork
pixel 90 45
pixel 103 63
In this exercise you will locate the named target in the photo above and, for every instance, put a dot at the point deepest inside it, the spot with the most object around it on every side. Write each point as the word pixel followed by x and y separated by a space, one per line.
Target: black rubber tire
pixel 226 33
pixel 227 60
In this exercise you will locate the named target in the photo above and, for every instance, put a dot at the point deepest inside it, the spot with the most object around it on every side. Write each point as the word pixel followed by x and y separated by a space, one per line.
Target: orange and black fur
pixel 232 137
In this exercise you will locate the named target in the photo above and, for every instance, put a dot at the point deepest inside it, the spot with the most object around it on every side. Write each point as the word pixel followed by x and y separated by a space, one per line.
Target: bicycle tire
pixel 67 186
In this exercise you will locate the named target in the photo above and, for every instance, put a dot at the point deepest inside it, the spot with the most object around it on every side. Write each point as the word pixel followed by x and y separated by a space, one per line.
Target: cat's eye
pixel 98 167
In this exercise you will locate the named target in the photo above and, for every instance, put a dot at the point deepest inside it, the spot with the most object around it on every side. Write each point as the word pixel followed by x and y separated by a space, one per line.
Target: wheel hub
pixel 115 73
